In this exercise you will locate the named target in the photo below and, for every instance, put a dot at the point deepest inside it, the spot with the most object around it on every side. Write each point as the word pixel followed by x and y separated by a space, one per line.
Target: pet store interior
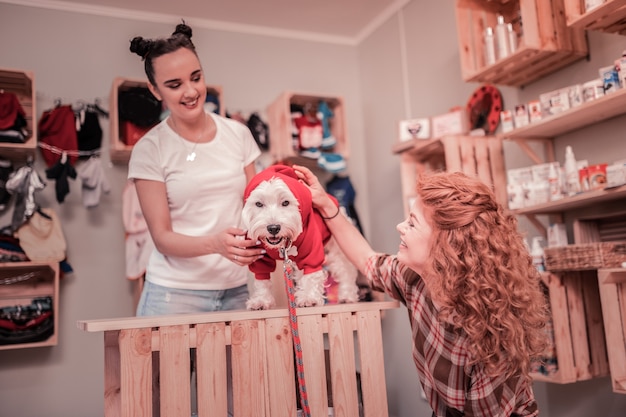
pixel 504 89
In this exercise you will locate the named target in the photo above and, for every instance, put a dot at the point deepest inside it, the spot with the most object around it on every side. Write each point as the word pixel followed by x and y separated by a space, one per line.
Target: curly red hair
pixel 484 277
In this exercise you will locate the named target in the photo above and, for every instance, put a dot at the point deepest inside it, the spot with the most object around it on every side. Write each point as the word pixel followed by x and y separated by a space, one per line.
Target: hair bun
pixel 183 29
pixel 140 46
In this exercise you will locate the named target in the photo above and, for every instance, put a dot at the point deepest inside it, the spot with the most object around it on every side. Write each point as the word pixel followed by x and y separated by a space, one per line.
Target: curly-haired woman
pixel 473 296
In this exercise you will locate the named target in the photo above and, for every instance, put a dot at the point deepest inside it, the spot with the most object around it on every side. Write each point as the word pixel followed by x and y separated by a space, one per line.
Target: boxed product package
pixel 414 129
pixel 554 102
pixel 593 89
pixel 521 115
pixel 518 183
pixel 575 93
pixel 610 79
pixel 506 120
pixel 455 122
pixel 534 110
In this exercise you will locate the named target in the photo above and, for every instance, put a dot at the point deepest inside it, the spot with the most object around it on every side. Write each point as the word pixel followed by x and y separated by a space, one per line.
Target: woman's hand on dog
pixel 321 200
pixel 235 246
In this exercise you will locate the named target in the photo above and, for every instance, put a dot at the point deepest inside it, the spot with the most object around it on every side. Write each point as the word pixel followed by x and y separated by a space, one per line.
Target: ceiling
pixel 337 21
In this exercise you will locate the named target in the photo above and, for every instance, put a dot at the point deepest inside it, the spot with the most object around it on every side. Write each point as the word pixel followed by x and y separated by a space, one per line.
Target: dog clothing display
pixel 325 114
pixel 42 238
pixel 12 119
pixel 94 181
pixel 61 171
pixel 139 244
pixel 23 184
pixel 57 127
pixel 341 188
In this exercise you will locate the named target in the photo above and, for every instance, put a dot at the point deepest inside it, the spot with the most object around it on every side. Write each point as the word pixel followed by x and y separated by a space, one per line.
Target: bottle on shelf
pixel 512 37
pixel 490 46
pixel 502 39
pixel 537 254
pixel 554 182
pixel 572 180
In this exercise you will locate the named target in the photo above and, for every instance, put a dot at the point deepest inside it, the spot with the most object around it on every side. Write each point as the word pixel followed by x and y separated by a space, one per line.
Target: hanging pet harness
pixel 288 270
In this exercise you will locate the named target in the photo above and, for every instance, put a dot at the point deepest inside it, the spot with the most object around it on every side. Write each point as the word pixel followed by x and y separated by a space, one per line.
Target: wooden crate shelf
pixel 546 45
pixel 119 149
pixel 280 125
pixel 477 156
pixel 21 282
pixel 612 284
pixel 609 17
pixel 262 357
pixel 580 346
pixel 22 84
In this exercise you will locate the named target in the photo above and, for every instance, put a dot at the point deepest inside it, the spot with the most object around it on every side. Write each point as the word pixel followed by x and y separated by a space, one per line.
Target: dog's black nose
pixel 273 229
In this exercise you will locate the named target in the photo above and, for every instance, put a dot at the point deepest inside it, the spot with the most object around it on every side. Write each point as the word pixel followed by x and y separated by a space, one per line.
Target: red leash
pixel 288 270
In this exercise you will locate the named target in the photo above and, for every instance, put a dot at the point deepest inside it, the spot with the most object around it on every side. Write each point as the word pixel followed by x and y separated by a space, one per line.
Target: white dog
pixel 278 211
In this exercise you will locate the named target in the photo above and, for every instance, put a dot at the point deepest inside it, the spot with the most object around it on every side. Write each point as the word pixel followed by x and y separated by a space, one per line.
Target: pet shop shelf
pixel 609 17
pixel 478 156
pixel 21 84
pixel 29 304
pixel 579 349
pixel 544 41
pixel 283 145
pixel 612 282
pixel 261 352
pixel 124 133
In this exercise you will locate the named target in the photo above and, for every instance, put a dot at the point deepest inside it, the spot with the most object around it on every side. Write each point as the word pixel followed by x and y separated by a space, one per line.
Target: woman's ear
pixel 154 91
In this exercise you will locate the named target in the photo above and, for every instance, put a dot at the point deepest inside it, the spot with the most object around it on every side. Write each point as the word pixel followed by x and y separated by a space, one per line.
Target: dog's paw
pixel 259 303
pixel 348 293
pixel 310 289
pixel 262 299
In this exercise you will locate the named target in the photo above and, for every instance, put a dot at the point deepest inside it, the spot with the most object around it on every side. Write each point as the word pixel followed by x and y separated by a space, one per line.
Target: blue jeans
pixel 158 300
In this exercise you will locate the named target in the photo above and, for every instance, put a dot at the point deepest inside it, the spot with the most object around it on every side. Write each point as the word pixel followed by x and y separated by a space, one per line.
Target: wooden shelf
pixel 612 282
pixel 589 113
pixel 546 46
pixel 609 17
pixel 43 282
pixel 586 199
pixel 281 126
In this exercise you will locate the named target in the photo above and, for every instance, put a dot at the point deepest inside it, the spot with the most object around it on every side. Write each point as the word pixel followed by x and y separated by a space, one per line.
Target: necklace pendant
pixel 191 157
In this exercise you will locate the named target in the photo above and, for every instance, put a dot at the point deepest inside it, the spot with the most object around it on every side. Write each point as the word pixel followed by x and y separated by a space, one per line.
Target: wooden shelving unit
pixel 477 156
pixel 546 45
pixel 21 282
pixel 280 125
pixel 120 150
pixel 612 284
pixel 22 84
pixel 609 17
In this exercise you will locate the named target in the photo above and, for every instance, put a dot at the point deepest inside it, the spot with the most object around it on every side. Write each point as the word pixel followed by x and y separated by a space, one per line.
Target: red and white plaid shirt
pixel 452 386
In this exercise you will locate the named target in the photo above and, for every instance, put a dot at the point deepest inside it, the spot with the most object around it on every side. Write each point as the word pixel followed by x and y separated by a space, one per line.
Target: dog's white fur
pixel 271 215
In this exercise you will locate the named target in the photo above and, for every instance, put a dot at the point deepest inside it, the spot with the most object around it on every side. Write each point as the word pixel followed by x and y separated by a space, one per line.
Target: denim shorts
pixel 157 300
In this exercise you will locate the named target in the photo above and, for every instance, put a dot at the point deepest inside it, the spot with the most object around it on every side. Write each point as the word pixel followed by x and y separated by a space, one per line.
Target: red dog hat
pixel 315 233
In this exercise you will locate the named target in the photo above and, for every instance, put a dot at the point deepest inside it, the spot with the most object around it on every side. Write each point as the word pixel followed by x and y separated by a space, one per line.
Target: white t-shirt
pixel 205 196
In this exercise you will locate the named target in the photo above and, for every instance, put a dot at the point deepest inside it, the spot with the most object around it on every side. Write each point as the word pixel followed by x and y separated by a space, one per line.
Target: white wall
pixel 76 56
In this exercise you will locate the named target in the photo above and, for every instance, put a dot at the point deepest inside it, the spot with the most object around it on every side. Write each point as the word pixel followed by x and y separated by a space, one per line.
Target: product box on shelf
pixel 20 84
pixel 454 122
pixel 607 16
pixel 554 102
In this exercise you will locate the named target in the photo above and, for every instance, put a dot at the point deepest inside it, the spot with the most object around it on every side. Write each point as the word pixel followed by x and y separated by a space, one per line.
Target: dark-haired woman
pixel 190 171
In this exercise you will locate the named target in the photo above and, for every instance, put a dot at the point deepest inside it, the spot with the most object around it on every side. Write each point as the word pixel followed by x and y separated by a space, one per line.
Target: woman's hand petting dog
pixel 235 246
pixel 321 200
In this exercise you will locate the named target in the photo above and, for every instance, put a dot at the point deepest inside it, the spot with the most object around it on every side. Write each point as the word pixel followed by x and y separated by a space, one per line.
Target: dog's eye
pixel 285 203
pixel 258 204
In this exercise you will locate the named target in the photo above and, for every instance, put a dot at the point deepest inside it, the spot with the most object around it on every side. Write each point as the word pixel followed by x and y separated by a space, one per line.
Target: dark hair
pixel 149 49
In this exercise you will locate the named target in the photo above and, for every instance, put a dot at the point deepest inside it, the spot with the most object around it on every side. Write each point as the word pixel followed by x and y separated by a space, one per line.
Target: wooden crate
pixel 22 84
pixel 579 340
pixel 477 156
pixel 280 125
pixel 120 149
pixel 612 284
pixel 261 356
pixel 546 45
pixel 609 17
pixel 21 282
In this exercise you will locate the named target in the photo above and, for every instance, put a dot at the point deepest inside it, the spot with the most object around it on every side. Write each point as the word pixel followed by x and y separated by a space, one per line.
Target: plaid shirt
pixel 452 386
